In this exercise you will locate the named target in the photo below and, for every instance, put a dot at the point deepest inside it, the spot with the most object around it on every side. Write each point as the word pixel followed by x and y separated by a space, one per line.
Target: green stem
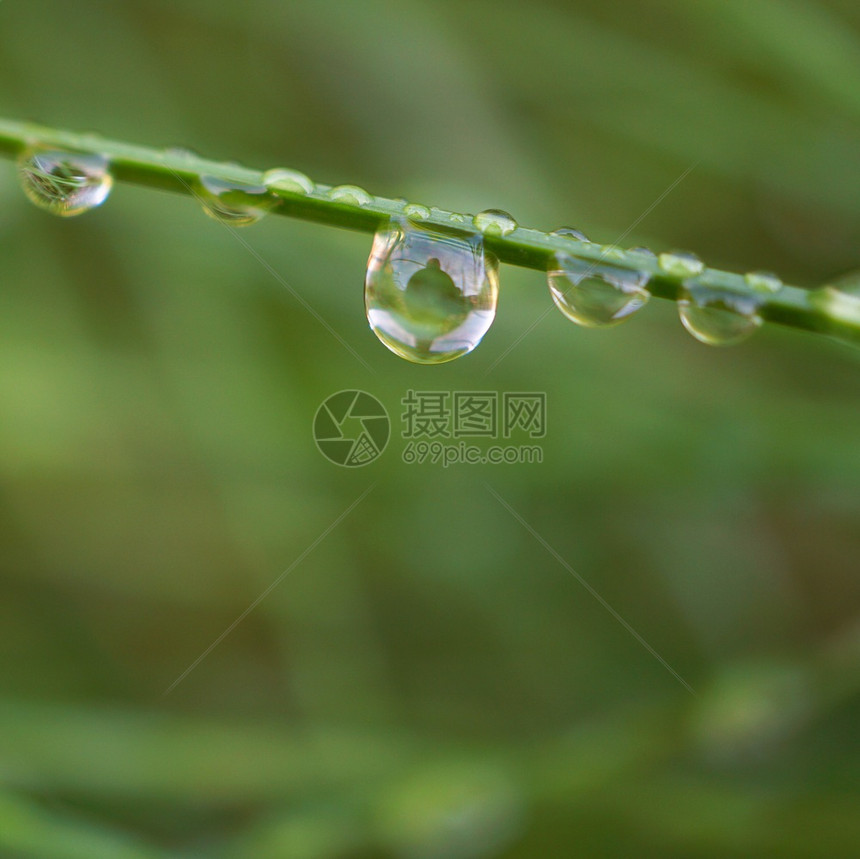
pixel 812 310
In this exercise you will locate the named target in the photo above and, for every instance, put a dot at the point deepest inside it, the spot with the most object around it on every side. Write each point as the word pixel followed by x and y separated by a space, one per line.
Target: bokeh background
pixel 429 681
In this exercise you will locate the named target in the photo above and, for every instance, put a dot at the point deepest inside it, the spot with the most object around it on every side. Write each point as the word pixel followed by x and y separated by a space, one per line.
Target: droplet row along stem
pixel 529 248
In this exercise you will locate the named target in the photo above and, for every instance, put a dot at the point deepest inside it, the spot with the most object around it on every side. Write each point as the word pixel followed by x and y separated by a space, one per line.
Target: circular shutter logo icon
pixel 351 428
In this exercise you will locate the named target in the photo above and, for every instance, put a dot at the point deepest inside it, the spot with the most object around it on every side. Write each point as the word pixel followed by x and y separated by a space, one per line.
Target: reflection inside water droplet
pixel 233 203
pixel 65 183
pixel 716 316
pixel 596 295
pixel 430 294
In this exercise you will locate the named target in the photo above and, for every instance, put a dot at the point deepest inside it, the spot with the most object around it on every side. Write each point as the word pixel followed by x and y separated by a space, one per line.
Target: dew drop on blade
pixel 596 295
pixel 291 181
pixel 416 212
pixel 612 252
pixel 351 194
pixel 181 153
pixel 763 281
pixel 233 203
pixel 716 316
pixel 430 294
pixel 681 263
pixel 571 233
pixel 65 183
pixel 494 222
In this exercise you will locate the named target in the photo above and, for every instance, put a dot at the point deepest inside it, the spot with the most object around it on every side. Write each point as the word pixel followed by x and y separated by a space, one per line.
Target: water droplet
pixel 716 316
pixel 596 295
pixel 430 294
pixel 233 203
pixel 283 179
pixel 416 212
pixel 65 183
pixel 681 263
pixel 763 281
pixel 351 194
pixel 457 218
pixel 645 252
pixel 571 233
pixel 494 222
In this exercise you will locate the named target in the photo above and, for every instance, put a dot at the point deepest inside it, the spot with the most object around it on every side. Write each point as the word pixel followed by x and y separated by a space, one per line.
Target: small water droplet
pixel 351 194
pixel 716 316
pixel 457 218
pixel 596 295
pixel 283 179
pixel 65 183
pixel 612 252
pixel 681 264
pixel 763 281
pixel 494 222
pixel 571 233
pixel 180 153
pixel 233 203
pixel 416 212
pixel 645 252
pixel 430 294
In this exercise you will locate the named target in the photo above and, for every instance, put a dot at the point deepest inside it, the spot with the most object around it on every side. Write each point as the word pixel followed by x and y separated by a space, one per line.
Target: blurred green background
pixel 428 681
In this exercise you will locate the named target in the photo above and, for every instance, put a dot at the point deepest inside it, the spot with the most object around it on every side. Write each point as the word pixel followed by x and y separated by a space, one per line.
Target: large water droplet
pixel 681 263
pixel 430 294
pixel 596 295
pixel 716 316
pixel 233 203
pixel 283 179
pixel 351 194
pixel 494 222
pixel 65 183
